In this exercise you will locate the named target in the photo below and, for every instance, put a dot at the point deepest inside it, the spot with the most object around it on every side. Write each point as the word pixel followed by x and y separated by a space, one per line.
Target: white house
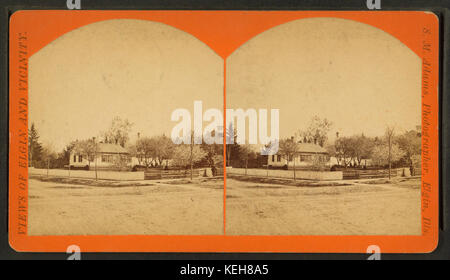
pixel 106 155
pixel 307 154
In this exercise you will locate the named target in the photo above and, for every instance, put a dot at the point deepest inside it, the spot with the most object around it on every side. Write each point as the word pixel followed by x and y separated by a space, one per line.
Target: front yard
pixel 148 208
pixel 358 208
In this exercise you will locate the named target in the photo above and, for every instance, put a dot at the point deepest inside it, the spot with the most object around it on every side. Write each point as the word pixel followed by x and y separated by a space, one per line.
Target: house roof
pixel 111 148
pixel 310 148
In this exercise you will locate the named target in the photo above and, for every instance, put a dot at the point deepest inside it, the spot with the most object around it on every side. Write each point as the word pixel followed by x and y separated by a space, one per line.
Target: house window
pixel 107 158
pixel 80 158
pixel 74 158
pixel 305 157
pixel 278 158
pixel 273 158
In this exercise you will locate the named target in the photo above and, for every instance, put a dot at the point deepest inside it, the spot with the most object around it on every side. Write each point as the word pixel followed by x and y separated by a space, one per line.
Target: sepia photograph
pixel 348 156
pixel 322 132
pixel 224 132
pixel 102 160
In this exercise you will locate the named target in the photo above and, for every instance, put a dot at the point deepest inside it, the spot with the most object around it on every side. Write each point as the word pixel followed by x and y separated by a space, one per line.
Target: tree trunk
pixel 69 166
pixel 95 167
pixel 48 165
pixel 192 165
pixel 246 164
pixel 389 140
pixel 411 168
pixel 294 168
pixel 31 155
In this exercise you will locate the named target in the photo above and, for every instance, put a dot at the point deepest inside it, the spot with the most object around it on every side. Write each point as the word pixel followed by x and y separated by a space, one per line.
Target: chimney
pixel 139 135
pixel 337 134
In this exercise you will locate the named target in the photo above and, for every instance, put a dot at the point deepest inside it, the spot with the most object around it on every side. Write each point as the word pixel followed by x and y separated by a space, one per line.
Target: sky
pixel 138 70
pixel 357 76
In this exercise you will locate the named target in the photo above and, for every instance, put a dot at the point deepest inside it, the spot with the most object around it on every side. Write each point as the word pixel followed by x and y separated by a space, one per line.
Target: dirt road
pixel 158 209
pixel 358 209
pixel 162 208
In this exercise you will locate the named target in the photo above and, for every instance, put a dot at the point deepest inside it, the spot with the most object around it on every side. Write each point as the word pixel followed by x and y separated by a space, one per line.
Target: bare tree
pixel 246 152
pixel 144 151
pixel 269 149
pixel 317 131
pixel 390 133
pixel 152 150
pixel 230 138
pixel 48 155
pixel 118 132
pixel 363 148
pixel 289 148
pixel 410 142
pixel 187 155
pixel 344 150
pixel 163 148
pixel 356 148
pixel 88 148
pixel 214 155
pixel 120 162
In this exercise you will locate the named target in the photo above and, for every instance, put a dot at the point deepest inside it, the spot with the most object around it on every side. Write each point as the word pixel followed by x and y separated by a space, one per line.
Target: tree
pixel 410 143
pixel 34 147
pixel 246 152
pixel 344 150
pixel 390 138
pixel 187 155
pixel 63 158
pixel 118 132
pixel 121 161
pixel 271 148
pixel 288 148
pixel 230 138
pixel 144 151
pixel 163 148
pixel 318 164
pixel 331 150
pixel 359 147
pixel 214 154
pixel 365 146
pixel 317 131
pixel 380 154
pixel 88 148
pixel 48 157
pixel 152 151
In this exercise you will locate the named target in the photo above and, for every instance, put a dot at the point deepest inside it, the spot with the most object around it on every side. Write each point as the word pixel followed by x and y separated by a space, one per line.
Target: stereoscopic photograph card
pixel 224 131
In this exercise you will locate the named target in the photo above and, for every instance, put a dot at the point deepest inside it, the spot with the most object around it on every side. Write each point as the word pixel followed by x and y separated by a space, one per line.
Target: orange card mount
pixel 224 32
